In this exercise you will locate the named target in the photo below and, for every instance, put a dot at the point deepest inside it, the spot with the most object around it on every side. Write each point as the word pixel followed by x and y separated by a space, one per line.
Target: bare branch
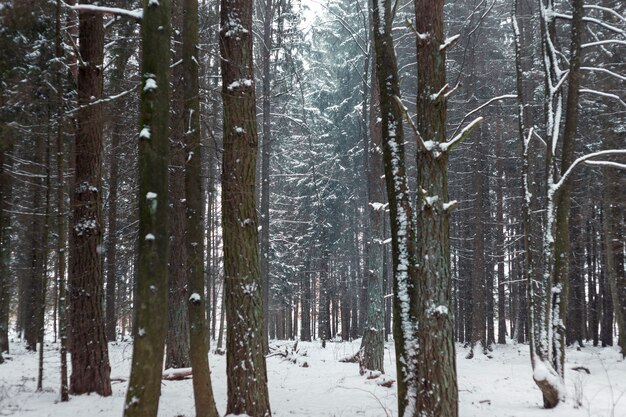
pixel 480 107
pixel 607 164
pixel 603 94
pixel 420 140
pixel 456 141
pixel 582 159
pixel 604 70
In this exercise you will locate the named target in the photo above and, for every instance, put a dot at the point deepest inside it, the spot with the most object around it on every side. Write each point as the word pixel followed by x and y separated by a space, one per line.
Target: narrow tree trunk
pixel 194 236
pixel 150 329
pixel 500 244
pixel 373 337
pixel 405 303
pixel 478 337
pixel 305 327
pixel 266 149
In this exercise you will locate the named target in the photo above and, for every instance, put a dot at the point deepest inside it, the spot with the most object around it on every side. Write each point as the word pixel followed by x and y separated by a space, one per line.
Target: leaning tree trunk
pixel 194 236
pixel 405 304
pixel 144 387
pixel 245 362
pixel 90 360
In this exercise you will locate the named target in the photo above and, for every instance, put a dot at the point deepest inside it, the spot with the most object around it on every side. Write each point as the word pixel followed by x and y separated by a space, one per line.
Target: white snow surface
pixel 501 386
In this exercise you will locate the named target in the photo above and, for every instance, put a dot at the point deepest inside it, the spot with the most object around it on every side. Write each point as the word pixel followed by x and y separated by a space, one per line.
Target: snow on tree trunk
pixel 437 390
pixel 405 303
pixel 194 225
pixel 144 387
pixel 245 361
pixel 90 361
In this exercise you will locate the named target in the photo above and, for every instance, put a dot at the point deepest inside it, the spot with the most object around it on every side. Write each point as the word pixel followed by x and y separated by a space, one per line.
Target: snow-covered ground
pixel 499 386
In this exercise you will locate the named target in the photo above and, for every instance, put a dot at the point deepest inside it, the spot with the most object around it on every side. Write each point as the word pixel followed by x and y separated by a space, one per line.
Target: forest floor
pixel 499 386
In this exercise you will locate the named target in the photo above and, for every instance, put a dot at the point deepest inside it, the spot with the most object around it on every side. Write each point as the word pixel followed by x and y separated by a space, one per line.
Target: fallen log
pixel 176 374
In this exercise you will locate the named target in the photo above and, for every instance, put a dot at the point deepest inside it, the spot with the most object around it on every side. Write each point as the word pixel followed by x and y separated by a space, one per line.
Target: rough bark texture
pixel 245 362
pixel 373 337
pixel 437 384
pixel 5 295
pixel 177 344
pixel 122 53
pixel 194 236
pixel 90 360
pixel 478 336
pixel 500 242
pixel 35 279
pixel 266 149
pixel 405 302
pixel 563 196
pixel 613 223
pixel 144 387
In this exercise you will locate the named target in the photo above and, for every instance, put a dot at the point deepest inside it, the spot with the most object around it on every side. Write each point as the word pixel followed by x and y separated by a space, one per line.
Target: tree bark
pixel 90 360
pixel 266 149
pixel 373 338
pixel 144 387
pixel 194 236
pixel 247 383
pixel 437 384
pixel 405 303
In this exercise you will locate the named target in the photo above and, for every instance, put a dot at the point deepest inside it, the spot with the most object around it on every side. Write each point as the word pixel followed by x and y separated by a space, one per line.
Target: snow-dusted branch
pixel 607 164
pixel 605 9
pixel 100 101
pixel 591 20
pixel 451 41
pixel 136 14
pixel 582 159
pixel 503 97
pixel 604 70
pixel 456 140
pixel 604 42
pixel 420 140
pixel 603 94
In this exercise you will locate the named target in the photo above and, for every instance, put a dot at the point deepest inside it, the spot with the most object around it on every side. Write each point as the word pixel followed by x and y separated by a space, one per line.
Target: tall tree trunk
pixel 122 53
pixel 405 303
pixel 373 338
pixel 44 269
pixel 613 224
pixel 247 383
pixel 194 236
pixel 61 216
pixel 150 327
pixel 562 198
pixel 90 359
pixel 500 244
pixel 34 309
pixel 5 282
pixel 305 327
pixel 478 337
pixel 177 344
pixel 268 15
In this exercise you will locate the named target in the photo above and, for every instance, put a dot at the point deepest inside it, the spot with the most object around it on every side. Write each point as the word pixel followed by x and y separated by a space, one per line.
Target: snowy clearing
pixel 500 386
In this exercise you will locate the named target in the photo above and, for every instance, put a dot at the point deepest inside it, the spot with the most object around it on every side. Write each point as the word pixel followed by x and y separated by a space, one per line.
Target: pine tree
pixel 90 361
pixel 245 361
pixel 144 387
